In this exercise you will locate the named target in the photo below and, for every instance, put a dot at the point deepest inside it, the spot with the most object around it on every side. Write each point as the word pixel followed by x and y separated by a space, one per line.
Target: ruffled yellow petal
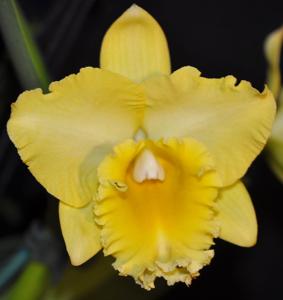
pixel 62 136
pixel 80 232
pixel 236 216
pixel 135 46
pixel 272 47
pixel 232 121
pixel 158 228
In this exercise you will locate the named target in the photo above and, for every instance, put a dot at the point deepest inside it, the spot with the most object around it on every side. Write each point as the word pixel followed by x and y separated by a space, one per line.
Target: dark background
pixel 219 38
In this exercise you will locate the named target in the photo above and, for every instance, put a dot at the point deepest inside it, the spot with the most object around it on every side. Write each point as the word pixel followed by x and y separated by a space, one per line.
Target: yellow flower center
pixel 156 206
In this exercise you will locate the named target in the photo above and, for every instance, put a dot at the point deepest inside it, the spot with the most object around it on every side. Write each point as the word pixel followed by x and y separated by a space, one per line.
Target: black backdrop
pixel 217 37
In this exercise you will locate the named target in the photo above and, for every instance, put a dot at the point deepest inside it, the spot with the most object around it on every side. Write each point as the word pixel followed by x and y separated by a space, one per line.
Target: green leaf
pixel 21 47
pixel 31 284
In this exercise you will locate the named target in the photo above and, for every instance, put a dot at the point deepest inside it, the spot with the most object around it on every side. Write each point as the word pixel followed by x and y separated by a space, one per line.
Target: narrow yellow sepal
pixel 81 234
pixel 135 46
pixel 236 216
pixel 272 47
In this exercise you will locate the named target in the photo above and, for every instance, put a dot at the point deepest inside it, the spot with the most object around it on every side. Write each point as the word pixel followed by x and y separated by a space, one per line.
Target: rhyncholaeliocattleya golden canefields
pixel 146 163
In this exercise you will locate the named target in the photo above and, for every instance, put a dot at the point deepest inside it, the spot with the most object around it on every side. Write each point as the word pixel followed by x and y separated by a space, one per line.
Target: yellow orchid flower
pixel 272 47
pixel 146 164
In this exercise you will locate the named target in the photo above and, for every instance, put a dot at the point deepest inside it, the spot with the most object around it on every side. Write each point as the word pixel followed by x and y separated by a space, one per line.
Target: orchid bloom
pixel 272 47
pixel 146 163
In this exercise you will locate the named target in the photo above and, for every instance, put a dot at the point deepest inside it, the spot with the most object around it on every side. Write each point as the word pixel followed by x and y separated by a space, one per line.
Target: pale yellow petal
pixel 272 47
pixel 80 232
pixel 135 46
pixel 275 146
pixel 158 228
pixel 63 135
pixel 236 215
pixel 233 121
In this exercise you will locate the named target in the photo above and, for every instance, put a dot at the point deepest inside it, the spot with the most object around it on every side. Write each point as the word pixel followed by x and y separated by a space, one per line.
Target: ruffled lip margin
pixel 183 270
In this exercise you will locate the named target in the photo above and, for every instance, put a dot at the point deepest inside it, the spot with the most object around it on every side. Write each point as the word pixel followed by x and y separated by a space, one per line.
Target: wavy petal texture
pixel 62 136
pixel 80 232
pixel 158 228
pixel 236 216
pixel 232 121
pixel 135 46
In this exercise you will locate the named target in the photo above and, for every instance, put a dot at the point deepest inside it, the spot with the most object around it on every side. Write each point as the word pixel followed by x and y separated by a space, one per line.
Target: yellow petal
pixel 163 227
pixel 63 135
pixel 232 121
pixel 135 46
pixel 81 234
pixel 236 216
pixel 275 146
pixel 272 47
